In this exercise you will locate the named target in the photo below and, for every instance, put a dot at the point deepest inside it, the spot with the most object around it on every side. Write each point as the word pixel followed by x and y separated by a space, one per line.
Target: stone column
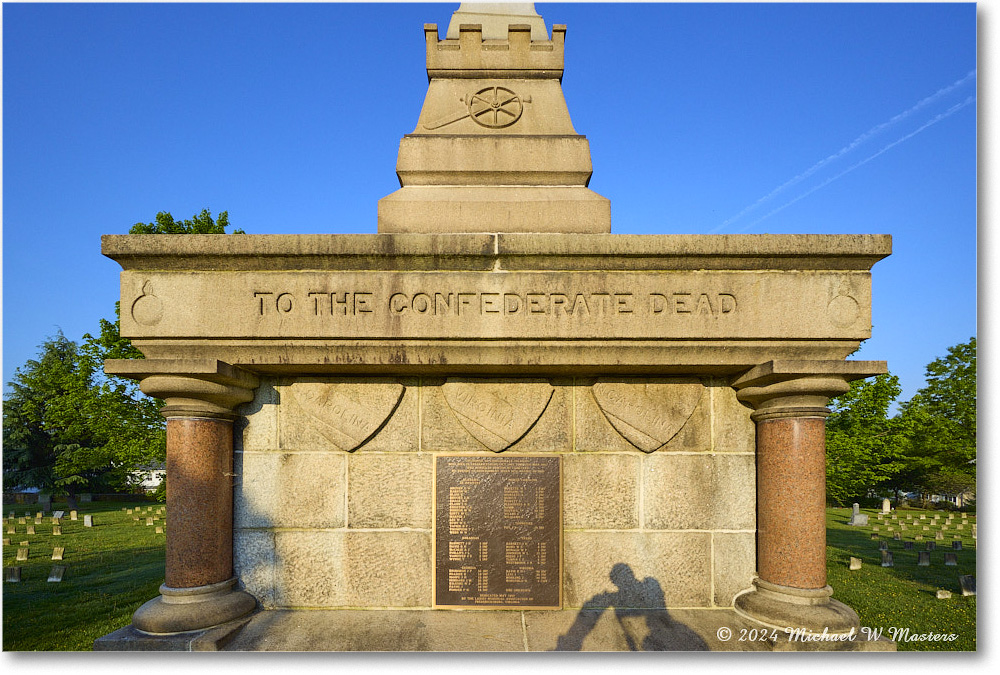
pixel 199 589
pixel 789 401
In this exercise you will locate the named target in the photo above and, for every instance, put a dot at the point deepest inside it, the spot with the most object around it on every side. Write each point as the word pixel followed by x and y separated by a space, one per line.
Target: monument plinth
pixel 598 441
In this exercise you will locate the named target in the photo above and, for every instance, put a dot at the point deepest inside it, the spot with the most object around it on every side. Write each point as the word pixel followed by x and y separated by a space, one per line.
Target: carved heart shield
pixel 498 415
pixel 348 414
pixel 648 415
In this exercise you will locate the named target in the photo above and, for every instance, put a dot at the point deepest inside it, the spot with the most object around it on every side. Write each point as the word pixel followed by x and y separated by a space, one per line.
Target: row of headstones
pixel 861 519
pixel 13 573
pixel 966 582
pixel 883 545
pixel 938 536
pixel 923 559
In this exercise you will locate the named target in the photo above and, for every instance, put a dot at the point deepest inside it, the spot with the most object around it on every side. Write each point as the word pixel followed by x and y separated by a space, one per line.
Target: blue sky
pixel 775 118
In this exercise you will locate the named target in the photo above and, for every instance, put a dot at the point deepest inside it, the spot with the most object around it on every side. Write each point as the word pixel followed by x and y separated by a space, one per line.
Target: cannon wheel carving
pixel 495 107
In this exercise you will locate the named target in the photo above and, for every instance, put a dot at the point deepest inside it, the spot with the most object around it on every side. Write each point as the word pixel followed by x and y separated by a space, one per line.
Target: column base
pixel 806 610
pixel 179 610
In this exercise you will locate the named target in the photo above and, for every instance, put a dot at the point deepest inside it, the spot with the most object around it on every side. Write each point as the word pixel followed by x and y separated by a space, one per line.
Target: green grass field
pixel 117 565
pixel 904 596
pixel 111 569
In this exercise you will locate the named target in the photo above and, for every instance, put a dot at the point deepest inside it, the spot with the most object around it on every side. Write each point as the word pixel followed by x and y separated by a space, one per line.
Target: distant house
pixel 149 477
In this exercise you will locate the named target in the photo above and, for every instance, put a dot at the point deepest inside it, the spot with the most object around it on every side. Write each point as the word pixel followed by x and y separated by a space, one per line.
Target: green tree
pixel 199 224
pixel 63 430
pixel 864 446
pixel 940 421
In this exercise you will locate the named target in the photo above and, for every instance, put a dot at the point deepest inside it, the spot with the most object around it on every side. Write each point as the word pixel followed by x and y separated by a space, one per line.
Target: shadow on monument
pixel 641 614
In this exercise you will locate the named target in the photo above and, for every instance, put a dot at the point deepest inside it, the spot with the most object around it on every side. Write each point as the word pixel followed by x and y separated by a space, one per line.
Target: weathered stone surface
pixel 443 430
pixel 497 414
pixel 338 414
pixel 679 562
pixel 648 414
pixel 253 563
pixel 389 491
pixel 289 489
pixel 734 563
pixel 256 428
pixel 701 492
pixel 601 492
pixel 352 569
pixel 732 428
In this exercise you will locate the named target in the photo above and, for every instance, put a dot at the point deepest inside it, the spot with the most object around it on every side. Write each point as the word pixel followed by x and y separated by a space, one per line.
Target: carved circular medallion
pixel 147 310
pixel 495 107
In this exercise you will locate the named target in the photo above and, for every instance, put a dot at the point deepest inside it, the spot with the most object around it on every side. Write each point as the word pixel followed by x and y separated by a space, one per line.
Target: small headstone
pixel 22 553
pixel 897 536
pixel 875 528
pixel 56 531
pixel 889 529
pixel 907 545
pixel 6 541
pixel 886 558
pixel 923 517
pixel 55 521
pixel 960 527
pixel 883 545
pixel 39 514
pixel 57 552
pixel 885 506
pixel 968 584
pixel 57 572
pixel 943 595
pixel 973 530
pixel 926 528
pixel 24 543
pixel 21 521
pixel 930 546
pixel 895 517
pixel 31 529
pixel 924 558
pixel 951 559
pixel 11 529
pixel 149 521
pixel 159 530
pixel 58 514
pixel 855 563
pixel 88 521
pixel 874 535
pixel 128 512
pixel 902 528
pixel 135 519
pixel 939 535
pixel 72 515
pixel 12 574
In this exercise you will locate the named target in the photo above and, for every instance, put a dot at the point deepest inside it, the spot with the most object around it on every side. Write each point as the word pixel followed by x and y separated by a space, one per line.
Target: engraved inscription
pixel 497 531
pixel 648 415
pixel 347 414
pixel 497 414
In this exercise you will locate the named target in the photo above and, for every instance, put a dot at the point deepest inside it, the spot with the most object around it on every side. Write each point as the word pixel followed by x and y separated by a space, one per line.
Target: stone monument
pixel 594 441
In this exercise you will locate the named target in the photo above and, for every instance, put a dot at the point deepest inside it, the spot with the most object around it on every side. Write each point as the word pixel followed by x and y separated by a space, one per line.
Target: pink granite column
pixel 790 590
pixel 199 587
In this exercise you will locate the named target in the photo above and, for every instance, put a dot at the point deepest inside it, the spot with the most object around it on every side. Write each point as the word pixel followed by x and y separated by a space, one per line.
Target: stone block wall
pixel 334 478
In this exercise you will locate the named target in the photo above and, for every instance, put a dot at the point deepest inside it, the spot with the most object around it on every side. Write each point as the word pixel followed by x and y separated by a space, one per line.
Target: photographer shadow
pixel 641 614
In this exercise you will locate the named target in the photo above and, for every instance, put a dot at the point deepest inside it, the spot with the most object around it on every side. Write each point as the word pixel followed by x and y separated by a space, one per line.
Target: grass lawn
pixel 111 569
pixel 904 596
pixel 117 565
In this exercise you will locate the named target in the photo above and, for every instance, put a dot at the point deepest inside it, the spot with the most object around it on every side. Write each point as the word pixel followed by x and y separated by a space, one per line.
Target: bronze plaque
pixel 498 531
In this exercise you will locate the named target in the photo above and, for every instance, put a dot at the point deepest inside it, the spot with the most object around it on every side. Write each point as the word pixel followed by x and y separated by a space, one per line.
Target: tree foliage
pixel 199 224
pixel 864 447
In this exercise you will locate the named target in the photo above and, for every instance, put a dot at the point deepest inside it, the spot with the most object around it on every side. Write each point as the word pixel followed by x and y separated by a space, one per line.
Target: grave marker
pixel 960 527
pixel 58 514
pixel 951 559
pixel 149 521
pixel 857 518
pixel 939 535
pixel 968 584
pixel 24 543
pixel 883 545
pixel 57 552
pixel 56 531
pixel 924 558
pixel 874 535
pixel 31 529
pixel 56 574
pixel 886 506
pixel 22 553
pixel 907 545
pixel 887 559
pixel 21 521
pixel 88 521
pixel 72 515
pixel 159 530
pixel 897 536
pixel 943 595
pixel 855 563
pixel 12 574
pixel 6 541
pixel 11 529
pixel 930 546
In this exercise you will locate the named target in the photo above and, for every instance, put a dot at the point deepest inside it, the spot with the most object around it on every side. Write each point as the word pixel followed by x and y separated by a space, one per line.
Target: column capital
pixel 190 387
pixel 799 388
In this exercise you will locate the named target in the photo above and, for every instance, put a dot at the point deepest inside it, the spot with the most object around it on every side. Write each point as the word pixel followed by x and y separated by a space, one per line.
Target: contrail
pixel 948 113
pixel 877 129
